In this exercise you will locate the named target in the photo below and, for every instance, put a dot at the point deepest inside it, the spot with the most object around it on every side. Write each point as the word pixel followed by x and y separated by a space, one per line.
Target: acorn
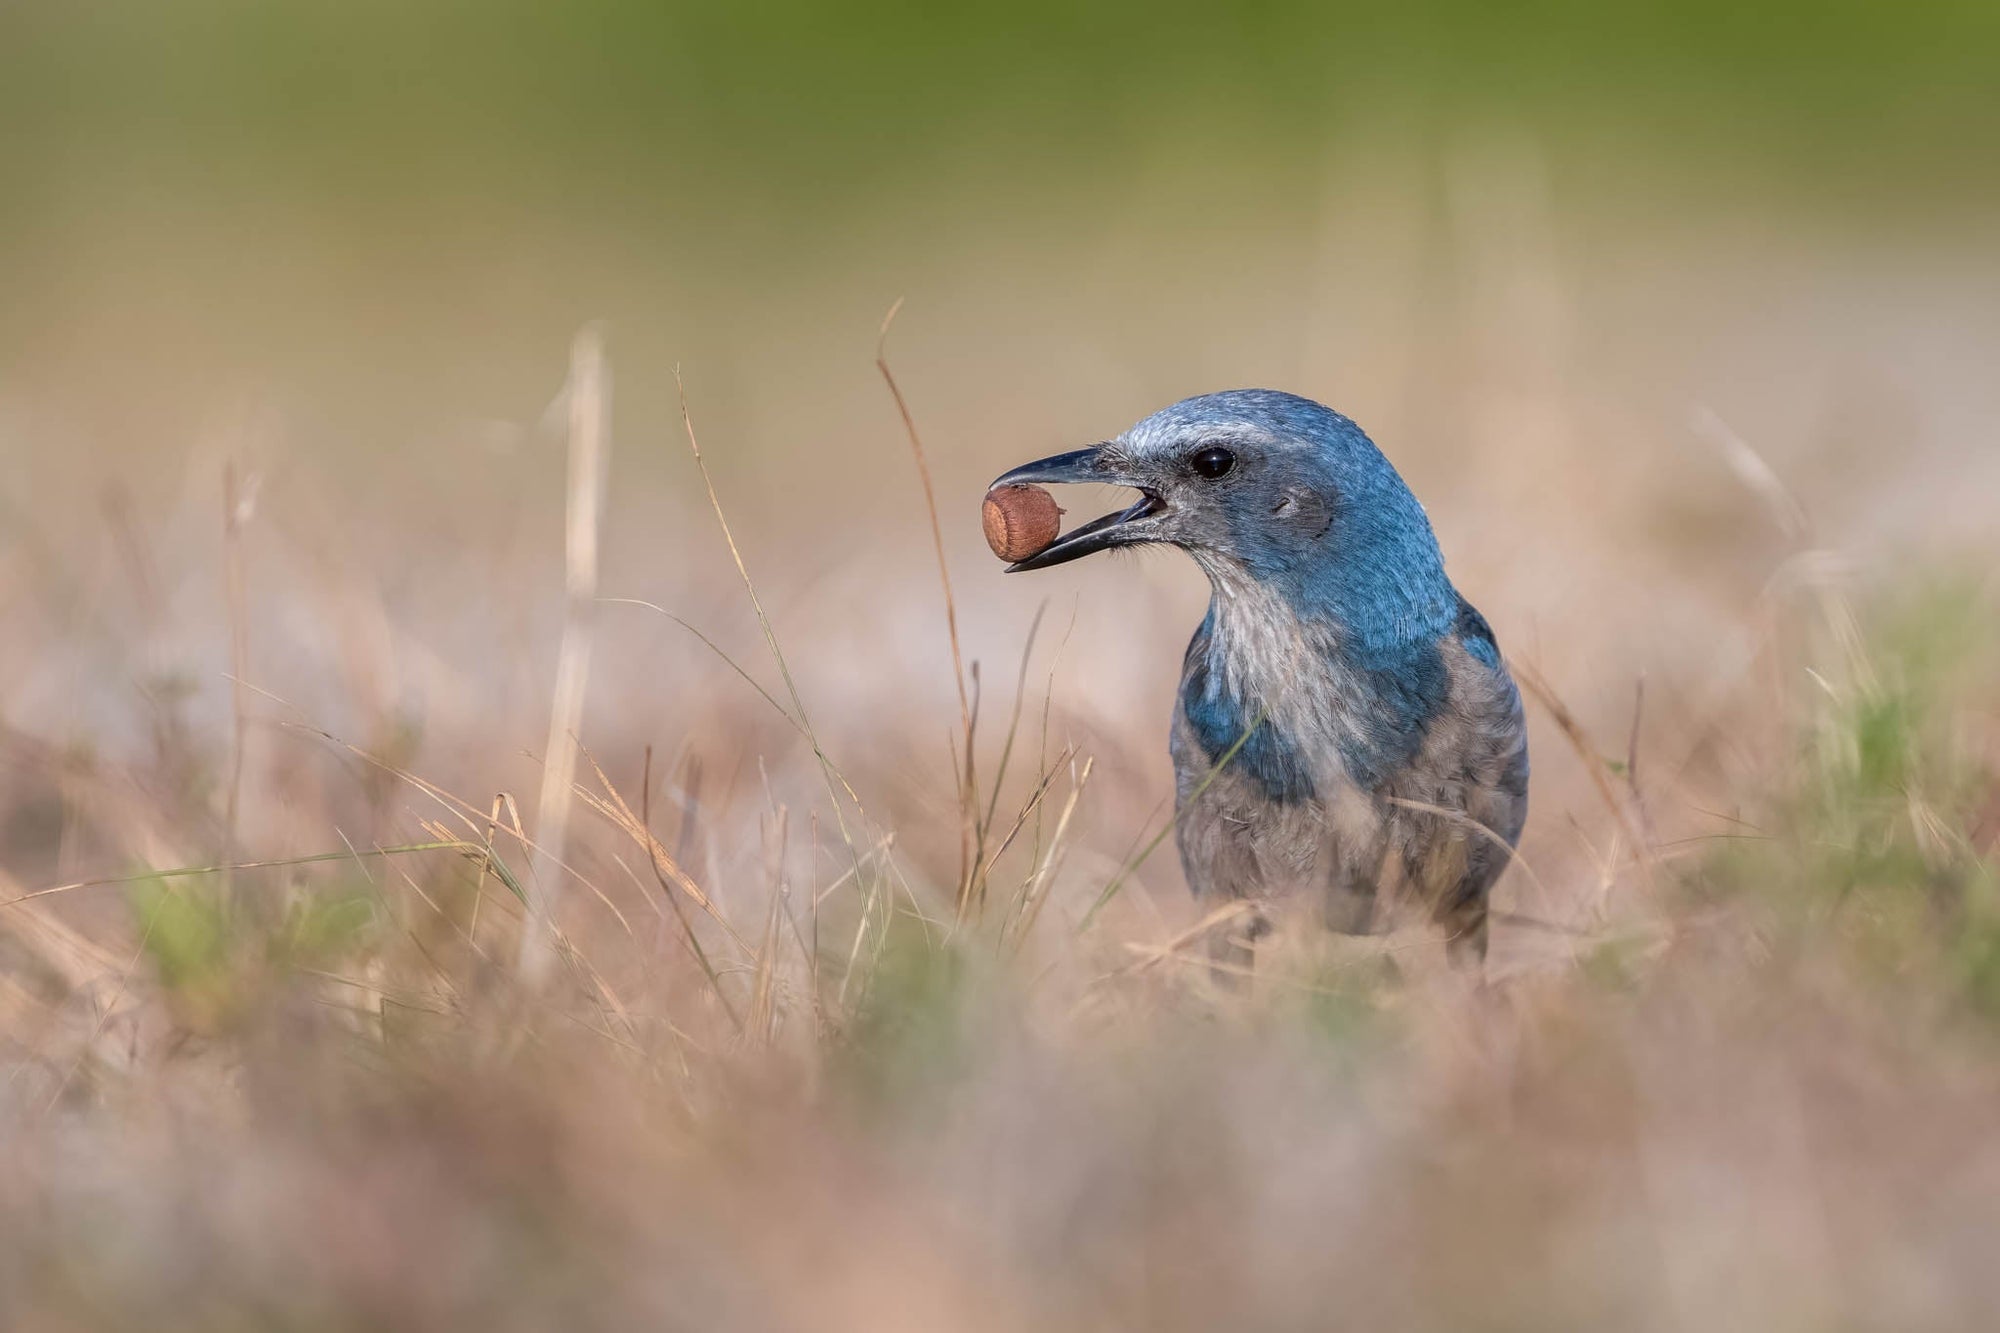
pixel 1020 521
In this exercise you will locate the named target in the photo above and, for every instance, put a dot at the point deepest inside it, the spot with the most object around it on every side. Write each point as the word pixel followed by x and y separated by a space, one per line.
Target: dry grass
pixel 890 1014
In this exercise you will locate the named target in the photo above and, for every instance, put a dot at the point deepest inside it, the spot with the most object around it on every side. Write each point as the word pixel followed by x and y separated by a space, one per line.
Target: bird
pixel 1346 734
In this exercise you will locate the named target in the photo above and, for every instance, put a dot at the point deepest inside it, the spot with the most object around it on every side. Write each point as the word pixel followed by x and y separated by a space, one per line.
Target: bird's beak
pixel 1082 465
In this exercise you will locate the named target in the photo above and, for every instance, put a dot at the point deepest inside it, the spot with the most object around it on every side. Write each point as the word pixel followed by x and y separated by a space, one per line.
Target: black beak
pixel 1081 465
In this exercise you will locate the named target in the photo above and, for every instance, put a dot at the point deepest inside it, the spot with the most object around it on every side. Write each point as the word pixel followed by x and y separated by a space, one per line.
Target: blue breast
pixel 1219 720
pixel 1380 711
pixel 1396 698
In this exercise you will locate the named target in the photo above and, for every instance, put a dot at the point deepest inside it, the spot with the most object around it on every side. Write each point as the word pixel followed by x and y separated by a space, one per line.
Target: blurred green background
pixel 714 114
pixel 183 181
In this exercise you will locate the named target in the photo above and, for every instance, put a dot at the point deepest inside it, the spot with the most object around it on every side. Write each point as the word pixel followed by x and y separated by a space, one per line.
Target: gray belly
pixel 1433 836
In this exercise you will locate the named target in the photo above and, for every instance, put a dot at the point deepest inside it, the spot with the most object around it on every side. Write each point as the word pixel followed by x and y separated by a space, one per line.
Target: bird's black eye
pixel 1212 462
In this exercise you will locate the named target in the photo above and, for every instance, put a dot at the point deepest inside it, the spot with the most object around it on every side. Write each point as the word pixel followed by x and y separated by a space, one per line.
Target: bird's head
pixel 1267 488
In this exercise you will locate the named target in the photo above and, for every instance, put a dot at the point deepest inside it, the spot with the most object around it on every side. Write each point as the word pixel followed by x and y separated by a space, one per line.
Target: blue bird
pixel 1346 734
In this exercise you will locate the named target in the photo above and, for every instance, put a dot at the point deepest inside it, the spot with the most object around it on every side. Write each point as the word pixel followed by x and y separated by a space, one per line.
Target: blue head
pixel 1271 491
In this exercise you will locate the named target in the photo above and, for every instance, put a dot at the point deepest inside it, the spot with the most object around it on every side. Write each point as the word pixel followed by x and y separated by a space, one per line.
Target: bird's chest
pixel 1290 764
pixel 1345 842
pixel 1286 706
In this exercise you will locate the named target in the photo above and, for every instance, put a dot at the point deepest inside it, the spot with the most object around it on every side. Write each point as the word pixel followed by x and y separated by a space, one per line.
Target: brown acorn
pixel 1020 521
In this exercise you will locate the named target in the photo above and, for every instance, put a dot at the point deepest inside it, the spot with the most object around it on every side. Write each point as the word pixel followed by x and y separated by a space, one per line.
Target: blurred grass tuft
pixel 1870 836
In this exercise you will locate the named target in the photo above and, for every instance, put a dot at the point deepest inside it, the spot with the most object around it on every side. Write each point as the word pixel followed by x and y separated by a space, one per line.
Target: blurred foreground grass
pixel 1751 1084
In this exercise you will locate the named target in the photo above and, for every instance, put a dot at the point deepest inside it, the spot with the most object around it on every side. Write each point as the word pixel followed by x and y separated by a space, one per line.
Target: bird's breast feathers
pixel 1330 756
pixel 1300 712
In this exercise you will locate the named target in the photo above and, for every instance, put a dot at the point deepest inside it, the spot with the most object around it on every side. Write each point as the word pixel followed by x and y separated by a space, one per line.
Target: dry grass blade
pixel 487 863
pixel 110 1006
pixel 1000 769
pixel 736 667
pixel 970 850
pixel 657 858
pixel 762 1021
pixel 1027 811
pixel 1132 864
pixel 1148 955
pixel 879 852
pixel 1599 771
pixel 1754 472
pixel 588 393
pixel 230 867
pixel 828 773
pixel 613 807
pixel 67 952
pixel 1035 892
pixel 236 510
pixel 713 647
pixel 1511 852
